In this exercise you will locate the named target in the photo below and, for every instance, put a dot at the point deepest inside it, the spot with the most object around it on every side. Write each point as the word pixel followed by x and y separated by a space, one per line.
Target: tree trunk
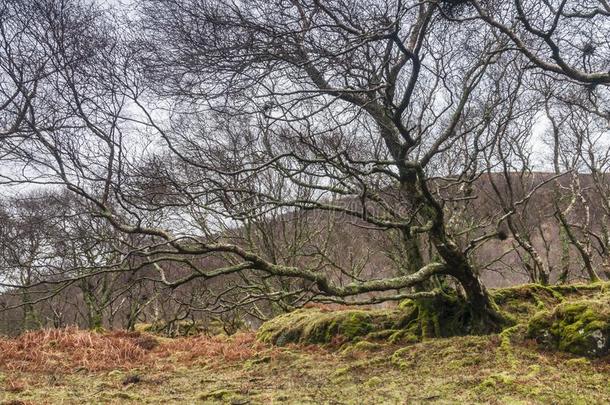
pixel 413 253
pixel 484 314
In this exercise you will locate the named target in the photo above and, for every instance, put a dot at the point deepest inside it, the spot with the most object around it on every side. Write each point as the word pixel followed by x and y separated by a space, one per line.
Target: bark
pixel 485 317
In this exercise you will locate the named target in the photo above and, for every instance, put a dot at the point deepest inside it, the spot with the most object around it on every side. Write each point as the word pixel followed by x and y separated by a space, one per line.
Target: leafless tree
pixel 248 142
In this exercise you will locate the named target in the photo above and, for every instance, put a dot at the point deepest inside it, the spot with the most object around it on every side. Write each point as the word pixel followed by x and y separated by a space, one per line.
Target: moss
pixel 221 394
pixel 582 290
pixel 181 328
pixel 385 334
pixel 508 338
pixel 314 326
pixel 497 379
pixel 579 327
pixel 521 302
pixel 172 329
pixel 578 362
pixel 360 346
pixel 356 324
pixel 533 370
pixel 443 315
pixel 373 382
pixel 115 373
pixel 367 346
pixel 406 304
pixel 448 314
pixel 398 360
pixel 404 336
pixel 341 371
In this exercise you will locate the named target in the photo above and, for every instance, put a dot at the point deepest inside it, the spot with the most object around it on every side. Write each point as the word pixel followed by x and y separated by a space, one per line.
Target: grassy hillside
pixel 73 366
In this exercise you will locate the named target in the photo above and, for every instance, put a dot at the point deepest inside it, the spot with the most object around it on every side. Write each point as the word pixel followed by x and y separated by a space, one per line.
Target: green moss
pixel 497 379
pixel 578 362
pixel 256 361
pixel 341 371
pixel 356 324
pixel 404 336
pixel 367 346
pixel 115 373
pixel 315 326
pixel 398 359
pixel 442 315
pixel 521 302
pixel 217 395
pixel 582 290
pixel 382 334
pixel 406 304
pixel 579 327
pixel 374 381
pixel 533 370
pixel 211 327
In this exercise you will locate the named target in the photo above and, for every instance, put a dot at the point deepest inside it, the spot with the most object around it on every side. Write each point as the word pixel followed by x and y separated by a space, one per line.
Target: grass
pixel 75 366
pixel 472 369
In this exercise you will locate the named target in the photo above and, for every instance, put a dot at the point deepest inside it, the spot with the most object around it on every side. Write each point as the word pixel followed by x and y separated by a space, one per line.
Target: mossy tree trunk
pixel 484 316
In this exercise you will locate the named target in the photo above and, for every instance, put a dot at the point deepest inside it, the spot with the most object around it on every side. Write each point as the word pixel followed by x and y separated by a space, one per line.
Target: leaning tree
pixel 198 121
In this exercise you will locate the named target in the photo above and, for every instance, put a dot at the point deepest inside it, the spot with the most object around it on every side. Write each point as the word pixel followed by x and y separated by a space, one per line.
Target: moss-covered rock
pixel 447 315
pixel 579 327
pixel 582 290
pixel 523 301
pixel 312 325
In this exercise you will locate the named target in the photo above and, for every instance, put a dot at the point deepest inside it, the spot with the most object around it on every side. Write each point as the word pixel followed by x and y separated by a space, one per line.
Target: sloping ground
pixel 453 370
pixel 72 366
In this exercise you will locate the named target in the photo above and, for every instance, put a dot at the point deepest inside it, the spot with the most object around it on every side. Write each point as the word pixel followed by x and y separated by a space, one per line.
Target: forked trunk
pixel 485 316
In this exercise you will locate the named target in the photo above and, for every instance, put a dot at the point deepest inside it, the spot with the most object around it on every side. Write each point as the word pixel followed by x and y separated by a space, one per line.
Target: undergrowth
pixel 76 366
pixel 72 349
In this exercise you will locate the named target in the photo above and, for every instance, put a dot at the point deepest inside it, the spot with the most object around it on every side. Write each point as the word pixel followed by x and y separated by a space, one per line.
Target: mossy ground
pixel 503 368
pixel 471 369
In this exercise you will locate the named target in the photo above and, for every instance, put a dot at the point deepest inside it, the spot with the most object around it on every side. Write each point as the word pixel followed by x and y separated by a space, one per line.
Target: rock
pixel 579 327
pixel 311 325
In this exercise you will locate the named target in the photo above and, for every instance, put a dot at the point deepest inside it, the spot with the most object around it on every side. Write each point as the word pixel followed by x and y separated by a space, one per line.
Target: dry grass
pixel 70 349
pixel 239 347
pixel 14 386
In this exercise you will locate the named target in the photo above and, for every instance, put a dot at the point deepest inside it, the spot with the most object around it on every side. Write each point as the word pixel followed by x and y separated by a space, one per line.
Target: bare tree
pixel 551 35
pixel 235 142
